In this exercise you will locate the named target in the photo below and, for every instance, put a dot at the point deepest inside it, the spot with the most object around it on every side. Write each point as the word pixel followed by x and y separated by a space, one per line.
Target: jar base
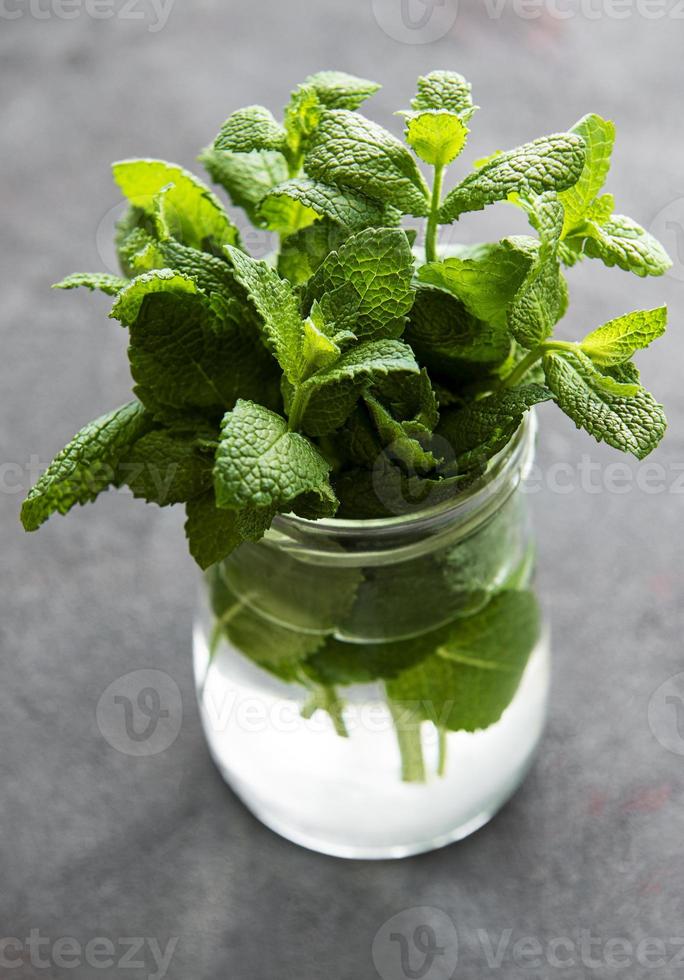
pixel 353 852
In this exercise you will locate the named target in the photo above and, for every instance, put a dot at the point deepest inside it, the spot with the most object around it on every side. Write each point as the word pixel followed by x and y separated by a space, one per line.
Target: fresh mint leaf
pixel 285 214
pixel 212 533
pixel 342 663
pixel 633 423
pixel 338 90
pixel 449 340
pixel 436 136
pixel 617 340
pixel 485 278
pixel 129 302
pixel 552 163
pixel 542 298
pixel 260 463
pixel 87 465
pixel 302 115
pixel 472 678
pixel 166 468
pixel 110 285
pixel 249 129
pixel 622 242
pixel 326 399
pixel 373 270
pixel 350 150
pixel 301 254
pixel 444 90
pixel 199 214
pixel 598 135
pixel 282 326
pixel 267 643
pixel 343 205
pixel 483 427
pixel 246 177
pixel 184 357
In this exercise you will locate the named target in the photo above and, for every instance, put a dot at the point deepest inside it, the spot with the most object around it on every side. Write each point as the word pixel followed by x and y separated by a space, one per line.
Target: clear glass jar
pixel 373 689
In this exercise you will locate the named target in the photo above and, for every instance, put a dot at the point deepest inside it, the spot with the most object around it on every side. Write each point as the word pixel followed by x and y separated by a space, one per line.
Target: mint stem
pixel 531 358
pixel 431 231
pixel 442 751
pixel 409 740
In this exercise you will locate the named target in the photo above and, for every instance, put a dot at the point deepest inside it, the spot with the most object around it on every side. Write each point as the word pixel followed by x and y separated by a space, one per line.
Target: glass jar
pixel 373 689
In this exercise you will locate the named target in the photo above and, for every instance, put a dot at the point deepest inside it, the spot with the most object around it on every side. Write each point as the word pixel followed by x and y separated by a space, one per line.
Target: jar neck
pixel 418 532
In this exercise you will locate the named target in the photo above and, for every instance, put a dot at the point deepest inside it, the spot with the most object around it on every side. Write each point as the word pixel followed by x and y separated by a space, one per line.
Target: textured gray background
pixel 98 843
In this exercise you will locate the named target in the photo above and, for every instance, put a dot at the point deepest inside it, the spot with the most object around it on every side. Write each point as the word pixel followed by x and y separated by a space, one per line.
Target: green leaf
pixel 210 275
pixel 542 298
pixel 388 491
pixel 476 671
pixel 372 271
pixel 407 440
pixel 437 136
pixel 634 424
pixel 265 641
pixel 338 90
pixel 246 177
pixel 343 205
pixel 212 533
pixel 249 129
pixel 184 357
pixel 302 115
pixel 598 135
pixel 260 463
pixel 87 465
pixel 449 340
pixel 485 278
pixel 199 214
pixel 165 467
pixel 285 215
pixel 552 163
pixel 277 306
pixel 327 398
pixel 617 340
pixel 444 90
pixel 622 242
pixel 128 303
pixel 351 150
pixel 301 254
pixel 483 427
pixel 342 663
pixel 110 285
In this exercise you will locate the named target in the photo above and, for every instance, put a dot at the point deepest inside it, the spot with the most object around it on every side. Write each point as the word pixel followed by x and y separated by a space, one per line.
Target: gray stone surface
pixel 98 843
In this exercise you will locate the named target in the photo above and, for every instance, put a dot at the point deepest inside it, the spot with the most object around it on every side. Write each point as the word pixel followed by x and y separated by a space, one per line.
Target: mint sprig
pixel 345 374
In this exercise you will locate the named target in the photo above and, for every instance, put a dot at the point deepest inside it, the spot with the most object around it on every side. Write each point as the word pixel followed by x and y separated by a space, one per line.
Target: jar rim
pixel 504 472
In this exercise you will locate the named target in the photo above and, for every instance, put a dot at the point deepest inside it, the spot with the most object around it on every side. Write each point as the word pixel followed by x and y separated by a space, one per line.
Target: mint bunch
pixel 343 375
